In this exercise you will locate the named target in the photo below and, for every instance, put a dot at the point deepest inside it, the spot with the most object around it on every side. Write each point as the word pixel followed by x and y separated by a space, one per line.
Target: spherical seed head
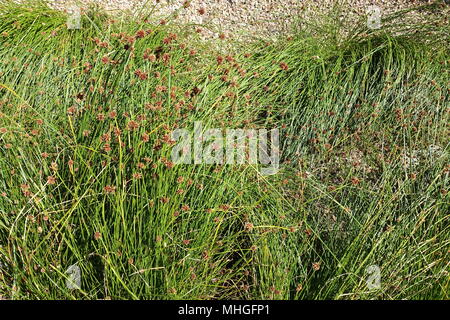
pixel 316 266
pixel 51 180
pixel 140 34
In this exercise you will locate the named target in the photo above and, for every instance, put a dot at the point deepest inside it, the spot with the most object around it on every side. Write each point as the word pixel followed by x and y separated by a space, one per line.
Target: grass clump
pixel 86 174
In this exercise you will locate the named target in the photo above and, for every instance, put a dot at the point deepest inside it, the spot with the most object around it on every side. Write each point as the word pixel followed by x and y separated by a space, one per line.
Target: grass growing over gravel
pixel 87 179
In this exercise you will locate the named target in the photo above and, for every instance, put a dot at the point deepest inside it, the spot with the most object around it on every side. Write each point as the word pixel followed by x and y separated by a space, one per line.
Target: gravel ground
pixel 237 17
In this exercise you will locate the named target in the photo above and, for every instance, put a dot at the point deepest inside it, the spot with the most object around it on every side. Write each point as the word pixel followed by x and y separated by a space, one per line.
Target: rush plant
pixel 87 181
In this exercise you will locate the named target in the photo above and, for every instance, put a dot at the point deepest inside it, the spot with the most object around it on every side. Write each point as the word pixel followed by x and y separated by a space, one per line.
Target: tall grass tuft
pixel 87 177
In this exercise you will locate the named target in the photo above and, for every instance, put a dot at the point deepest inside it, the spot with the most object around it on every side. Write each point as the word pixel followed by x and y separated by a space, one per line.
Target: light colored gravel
pixel 237 17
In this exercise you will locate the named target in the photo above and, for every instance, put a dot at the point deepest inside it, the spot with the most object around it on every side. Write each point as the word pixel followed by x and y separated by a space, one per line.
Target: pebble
pixel 260 18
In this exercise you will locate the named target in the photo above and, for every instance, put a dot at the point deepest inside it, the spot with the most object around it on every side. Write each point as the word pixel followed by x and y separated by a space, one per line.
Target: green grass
pixel 86 176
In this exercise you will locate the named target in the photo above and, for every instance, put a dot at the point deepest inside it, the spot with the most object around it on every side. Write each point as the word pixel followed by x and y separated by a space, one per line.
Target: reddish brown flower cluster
pixel 145 137
pixel 105 59
pixel 316 266
pixel 248 226
pixel 171 37
pixel 284 66
pixel 112 114
pixel 25 188
pixel 51 180
pixel 133 125
pixel 137 175
pixel 109 189
pixel 106 137
pixel 101 117
pixel 166 58
pixel 355 181
pixel 140 34
pixel 141 74
pixel 148 55
pixel 164 199
pixel 169 164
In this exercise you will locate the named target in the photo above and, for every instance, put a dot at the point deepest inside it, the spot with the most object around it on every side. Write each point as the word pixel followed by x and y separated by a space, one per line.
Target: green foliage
pixel 86 176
